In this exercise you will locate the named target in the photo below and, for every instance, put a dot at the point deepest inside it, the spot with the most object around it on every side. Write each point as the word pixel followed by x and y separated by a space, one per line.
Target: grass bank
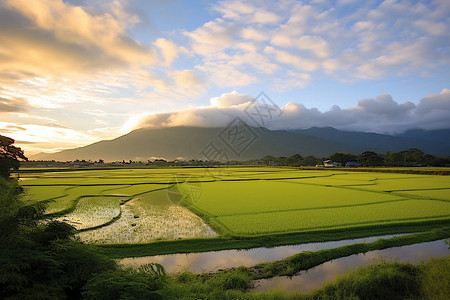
pixel 378 281
pixel 227 243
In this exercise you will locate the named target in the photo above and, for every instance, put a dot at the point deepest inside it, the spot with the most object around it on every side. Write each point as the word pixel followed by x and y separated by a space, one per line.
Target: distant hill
pixel 436 142
pixel 188 142
pixel 440 136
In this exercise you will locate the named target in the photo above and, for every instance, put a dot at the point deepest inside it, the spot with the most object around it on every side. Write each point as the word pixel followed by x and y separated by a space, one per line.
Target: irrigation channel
pixel 304 281
pixel 316 277
pixel 205 262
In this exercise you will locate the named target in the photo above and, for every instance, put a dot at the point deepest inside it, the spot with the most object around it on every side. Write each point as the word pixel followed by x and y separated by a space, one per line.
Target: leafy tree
pixel 9 156
pixel 310 161
pixel 294 160
pixel 343 158
pixel 267 159
pixel 371 159
pixel 282 160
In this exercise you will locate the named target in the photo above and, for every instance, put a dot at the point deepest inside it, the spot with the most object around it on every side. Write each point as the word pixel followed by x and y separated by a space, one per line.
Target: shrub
pixel 124 284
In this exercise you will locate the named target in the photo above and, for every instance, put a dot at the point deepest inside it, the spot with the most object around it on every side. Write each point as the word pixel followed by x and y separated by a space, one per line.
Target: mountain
pixel 436 142
pixel 189 142
pixel 440 136
pixel 195 142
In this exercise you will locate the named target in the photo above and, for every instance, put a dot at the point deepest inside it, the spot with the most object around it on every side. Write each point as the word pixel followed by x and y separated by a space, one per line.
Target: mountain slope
pixel 436 142
pixel 189 142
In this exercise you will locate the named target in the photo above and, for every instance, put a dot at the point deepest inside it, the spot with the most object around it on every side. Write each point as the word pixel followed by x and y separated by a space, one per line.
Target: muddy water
pixel 316 277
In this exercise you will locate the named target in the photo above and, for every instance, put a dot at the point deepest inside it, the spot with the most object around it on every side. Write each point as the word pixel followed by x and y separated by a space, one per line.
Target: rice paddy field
pixel 128 206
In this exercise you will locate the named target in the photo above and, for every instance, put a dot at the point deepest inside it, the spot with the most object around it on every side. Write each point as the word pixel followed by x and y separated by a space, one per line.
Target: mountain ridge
pixel 190 143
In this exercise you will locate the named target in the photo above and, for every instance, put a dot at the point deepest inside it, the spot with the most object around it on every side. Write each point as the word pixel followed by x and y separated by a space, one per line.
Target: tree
pixel 310 161
pixel 294 160
pixel 267 159
pixel 343 158
pixel 371 159
pixel 9 156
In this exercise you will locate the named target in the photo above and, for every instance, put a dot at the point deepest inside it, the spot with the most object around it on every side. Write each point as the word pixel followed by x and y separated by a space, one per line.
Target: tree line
pixel 407 158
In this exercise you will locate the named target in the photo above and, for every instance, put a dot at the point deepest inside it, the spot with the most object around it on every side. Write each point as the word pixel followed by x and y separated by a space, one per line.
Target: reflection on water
pixel 315 278
pixel 213 261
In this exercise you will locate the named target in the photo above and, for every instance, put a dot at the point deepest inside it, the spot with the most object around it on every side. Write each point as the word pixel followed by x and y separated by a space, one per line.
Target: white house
pixel 329 164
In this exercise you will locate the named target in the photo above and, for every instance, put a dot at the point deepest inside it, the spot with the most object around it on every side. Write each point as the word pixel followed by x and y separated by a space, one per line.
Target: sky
pixel 76 72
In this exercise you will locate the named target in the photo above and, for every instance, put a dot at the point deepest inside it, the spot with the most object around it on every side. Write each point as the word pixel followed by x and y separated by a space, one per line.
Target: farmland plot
pixel 339 200
pixel 235 201
pixel 147 218
pixel 93 211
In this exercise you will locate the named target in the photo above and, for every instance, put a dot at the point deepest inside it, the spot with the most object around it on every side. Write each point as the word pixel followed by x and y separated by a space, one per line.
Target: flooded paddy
pixel 147 218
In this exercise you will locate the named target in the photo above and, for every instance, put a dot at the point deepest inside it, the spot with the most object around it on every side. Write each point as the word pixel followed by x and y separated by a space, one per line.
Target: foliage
pixel 40 260
pixel 143 283
pixel 9 156
pixel 371 159
pixel 343 158
pixel 379 281
pixel 435 279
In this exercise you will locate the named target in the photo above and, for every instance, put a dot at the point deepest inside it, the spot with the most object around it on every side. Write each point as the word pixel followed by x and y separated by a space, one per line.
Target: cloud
pixel 300 63
pixel 17 105
pixel 213 36
pixel 250 33
pixel 187 79
pixel 381 115
pixel 362 43
pixel 38 138
pixel 292 80
pixel 52 37
pixel 317 45
pixel 14 127
pixel 435 102
pixel 264 17
pixel 386 106
pixel 168 50
pixel 231 99
pixel 234 9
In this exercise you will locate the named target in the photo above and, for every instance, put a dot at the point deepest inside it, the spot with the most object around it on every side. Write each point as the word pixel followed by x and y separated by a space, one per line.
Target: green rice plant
pixel 135 189
pixel 243 197
pixel 306 220
pixel 42 193
pixel 240 200
pixel 439 194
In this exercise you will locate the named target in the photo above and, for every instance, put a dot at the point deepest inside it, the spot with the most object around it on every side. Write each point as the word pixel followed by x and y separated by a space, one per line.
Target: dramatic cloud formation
pixel 345 41
pixel 381 115
pixel 73 72
pixel 61 37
